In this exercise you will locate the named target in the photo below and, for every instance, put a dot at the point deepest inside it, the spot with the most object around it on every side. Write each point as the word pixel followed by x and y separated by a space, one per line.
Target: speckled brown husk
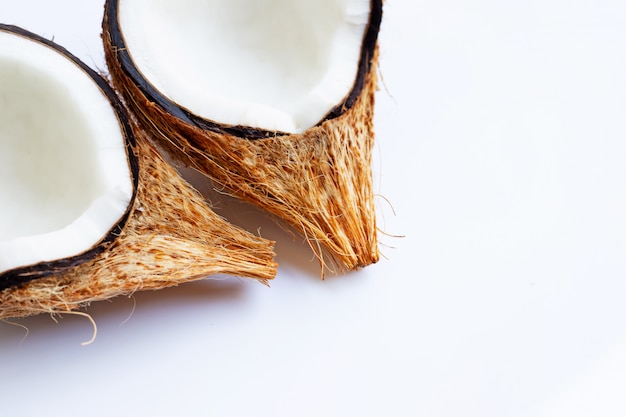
pixel 171 237
pixel 320 182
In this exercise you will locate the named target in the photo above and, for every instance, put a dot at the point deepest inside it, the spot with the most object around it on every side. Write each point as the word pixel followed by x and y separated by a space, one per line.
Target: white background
pixel 501 159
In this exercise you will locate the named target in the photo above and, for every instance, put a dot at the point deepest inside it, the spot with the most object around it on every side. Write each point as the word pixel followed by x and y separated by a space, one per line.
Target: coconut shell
pixel 171 237
pixel 38 270
pixel 319 182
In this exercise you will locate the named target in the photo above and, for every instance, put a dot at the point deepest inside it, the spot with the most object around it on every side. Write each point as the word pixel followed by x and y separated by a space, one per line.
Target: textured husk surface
pixel 171 237
pixel 319 182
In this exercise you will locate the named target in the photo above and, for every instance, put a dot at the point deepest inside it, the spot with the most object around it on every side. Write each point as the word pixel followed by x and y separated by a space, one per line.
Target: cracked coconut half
pixel 272 100
pixel 89 209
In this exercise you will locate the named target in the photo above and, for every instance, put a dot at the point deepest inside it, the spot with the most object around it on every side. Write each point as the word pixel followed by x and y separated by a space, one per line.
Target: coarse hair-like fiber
pixel 319 182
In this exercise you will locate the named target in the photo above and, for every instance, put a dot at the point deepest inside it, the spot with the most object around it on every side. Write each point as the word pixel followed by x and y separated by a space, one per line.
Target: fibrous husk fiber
pixel 320 182
pixel 171 237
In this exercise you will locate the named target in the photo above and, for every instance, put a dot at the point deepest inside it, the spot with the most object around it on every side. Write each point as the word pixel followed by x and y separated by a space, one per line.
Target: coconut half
pixel 90 209
pixel 67 178
pixel 277 65
pixel 272 100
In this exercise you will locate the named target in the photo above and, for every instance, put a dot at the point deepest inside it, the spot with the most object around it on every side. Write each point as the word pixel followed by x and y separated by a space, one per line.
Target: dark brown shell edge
pixel 28 273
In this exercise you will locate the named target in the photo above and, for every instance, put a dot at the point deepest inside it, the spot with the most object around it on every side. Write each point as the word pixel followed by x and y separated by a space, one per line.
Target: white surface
pixel 64 172
pixel 501 147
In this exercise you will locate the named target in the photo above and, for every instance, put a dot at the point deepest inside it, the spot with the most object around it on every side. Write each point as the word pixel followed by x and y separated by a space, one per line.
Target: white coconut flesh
pixel 278 65
pixel 65 180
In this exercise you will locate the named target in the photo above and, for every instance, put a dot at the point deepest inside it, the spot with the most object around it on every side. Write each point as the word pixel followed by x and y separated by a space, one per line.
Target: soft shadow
pixel 204 294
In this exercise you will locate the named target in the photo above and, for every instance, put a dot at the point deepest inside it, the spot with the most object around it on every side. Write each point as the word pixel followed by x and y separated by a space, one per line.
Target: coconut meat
pixel 65 180
pixel 277 65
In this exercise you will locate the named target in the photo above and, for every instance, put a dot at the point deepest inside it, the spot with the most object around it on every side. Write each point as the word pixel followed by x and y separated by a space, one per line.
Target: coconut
pixel 271 100
pixel 90 210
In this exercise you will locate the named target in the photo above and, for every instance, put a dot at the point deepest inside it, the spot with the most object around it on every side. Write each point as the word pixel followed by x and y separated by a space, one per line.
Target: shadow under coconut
pixel 292 250
pixel 167 304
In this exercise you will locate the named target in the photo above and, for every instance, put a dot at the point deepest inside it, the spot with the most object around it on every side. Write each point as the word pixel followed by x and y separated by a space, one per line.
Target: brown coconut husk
pixel 320 181
pixel 171 237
